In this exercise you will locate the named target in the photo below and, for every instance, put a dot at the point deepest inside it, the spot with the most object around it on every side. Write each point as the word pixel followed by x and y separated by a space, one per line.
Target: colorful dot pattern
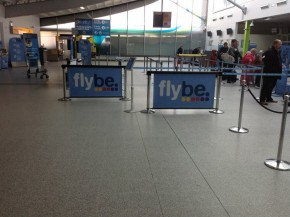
pixel 102 89
pixel 195 99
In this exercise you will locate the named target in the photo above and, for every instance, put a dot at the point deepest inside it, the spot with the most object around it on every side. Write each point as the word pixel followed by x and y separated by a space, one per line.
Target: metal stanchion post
pixel 240 129
pixel 279 164
pixel 175 64
pixel 168 63
pixel 146 66
pixel 131 110
pixel 107 60
pixel 261 84
pixel 148 110
pixel 216 110
pixel 64 87
pixel 125 98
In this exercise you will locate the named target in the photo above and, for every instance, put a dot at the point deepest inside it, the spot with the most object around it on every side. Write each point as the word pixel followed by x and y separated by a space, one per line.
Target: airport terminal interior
pixel 64 153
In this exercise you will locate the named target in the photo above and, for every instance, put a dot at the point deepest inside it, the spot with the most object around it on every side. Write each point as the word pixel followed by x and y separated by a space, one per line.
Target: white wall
pixel 25 21
pixel 231 15
pixel 48 38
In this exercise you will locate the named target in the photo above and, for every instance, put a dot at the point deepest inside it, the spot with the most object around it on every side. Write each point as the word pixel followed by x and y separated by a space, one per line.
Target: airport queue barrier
pixel 181 90
pixel 87 81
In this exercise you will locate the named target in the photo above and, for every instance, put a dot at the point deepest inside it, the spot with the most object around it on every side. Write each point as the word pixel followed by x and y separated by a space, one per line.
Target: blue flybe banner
pixel 184 91
pixel 95 81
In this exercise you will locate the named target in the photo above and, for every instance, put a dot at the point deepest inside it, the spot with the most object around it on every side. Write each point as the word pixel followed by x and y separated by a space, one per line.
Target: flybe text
pixel 166 88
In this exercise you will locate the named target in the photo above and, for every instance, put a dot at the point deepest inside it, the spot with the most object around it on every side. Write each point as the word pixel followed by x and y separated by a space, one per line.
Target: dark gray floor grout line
pixel 183 146
pixel 149 165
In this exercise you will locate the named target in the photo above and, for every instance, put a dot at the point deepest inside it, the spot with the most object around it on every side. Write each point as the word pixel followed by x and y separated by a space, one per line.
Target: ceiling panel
pixel 14 8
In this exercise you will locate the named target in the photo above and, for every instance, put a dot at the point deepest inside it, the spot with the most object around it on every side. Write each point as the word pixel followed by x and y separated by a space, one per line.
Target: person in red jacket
pixel 248 60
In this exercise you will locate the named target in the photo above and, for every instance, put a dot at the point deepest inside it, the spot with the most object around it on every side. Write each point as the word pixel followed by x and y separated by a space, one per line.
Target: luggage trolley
pixel 33 63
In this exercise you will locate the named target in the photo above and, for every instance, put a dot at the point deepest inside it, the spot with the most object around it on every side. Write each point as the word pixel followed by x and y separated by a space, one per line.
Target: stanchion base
pixel 239 130
pixel 216 111
pixel 219 98
pixel 125 99
pixel 64 99
pixel 130 111
pixel 277 165
pixel 148 111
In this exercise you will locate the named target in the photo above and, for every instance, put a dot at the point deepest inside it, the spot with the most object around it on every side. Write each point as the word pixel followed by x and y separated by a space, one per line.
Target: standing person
pixel 196 51
pixel 272 64
pixel 222 50
pixel 180 50
pixel 247 60
pixel 178 59
pixel 234 51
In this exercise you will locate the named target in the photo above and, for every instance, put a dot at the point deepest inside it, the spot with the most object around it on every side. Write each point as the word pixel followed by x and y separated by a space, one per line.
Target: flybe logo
pixel 183 91
pixel 95 82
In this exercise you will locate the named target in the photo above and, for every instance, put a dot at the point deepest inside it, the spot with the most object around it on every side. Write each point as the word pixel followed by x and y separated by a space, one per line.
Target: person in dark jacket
pixel 234 51
pixel 272 64
pixel 178 59
pixel 222 50
pixel 196 51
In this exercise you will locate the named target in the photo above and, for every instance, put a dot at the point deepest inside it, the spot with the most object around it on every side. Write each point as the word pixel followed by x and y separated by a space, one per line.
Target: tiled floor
pixel 89 158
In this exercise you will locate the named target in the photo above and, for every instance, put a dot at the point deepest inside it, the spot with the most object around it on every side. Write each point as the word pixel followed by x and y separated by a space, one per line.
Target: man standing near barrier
pixel 178 59
pixel 234 51
pixel 272 64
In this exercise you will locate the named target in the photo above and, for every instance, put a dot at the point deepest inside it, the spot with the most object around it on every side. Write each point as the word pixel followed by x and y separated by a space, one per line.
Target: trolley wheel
pixel 41 76
pixel 28 76
pixel 46 76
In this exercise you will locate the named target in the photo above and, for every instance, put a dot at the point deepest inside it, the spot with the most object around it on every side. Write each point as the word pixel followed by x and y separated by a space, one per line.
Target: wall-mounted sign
pixel 20 30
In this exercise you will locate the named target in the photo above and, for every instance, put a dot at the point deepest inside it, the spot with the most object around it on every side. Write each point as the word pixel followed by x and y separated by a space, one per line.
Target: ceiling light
pixel 83 8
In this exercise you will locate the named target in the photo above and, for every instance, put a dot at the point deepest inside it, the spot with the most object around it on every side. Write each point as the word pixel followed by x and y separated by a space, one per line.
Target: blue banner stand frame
pixel 198 89
pixel 84 76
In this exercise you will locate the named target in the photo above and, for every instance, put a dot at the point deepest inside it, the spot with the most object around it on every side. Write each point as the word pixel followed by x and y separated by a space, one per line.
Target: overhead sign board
pixel 84 26
pixel 101 27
